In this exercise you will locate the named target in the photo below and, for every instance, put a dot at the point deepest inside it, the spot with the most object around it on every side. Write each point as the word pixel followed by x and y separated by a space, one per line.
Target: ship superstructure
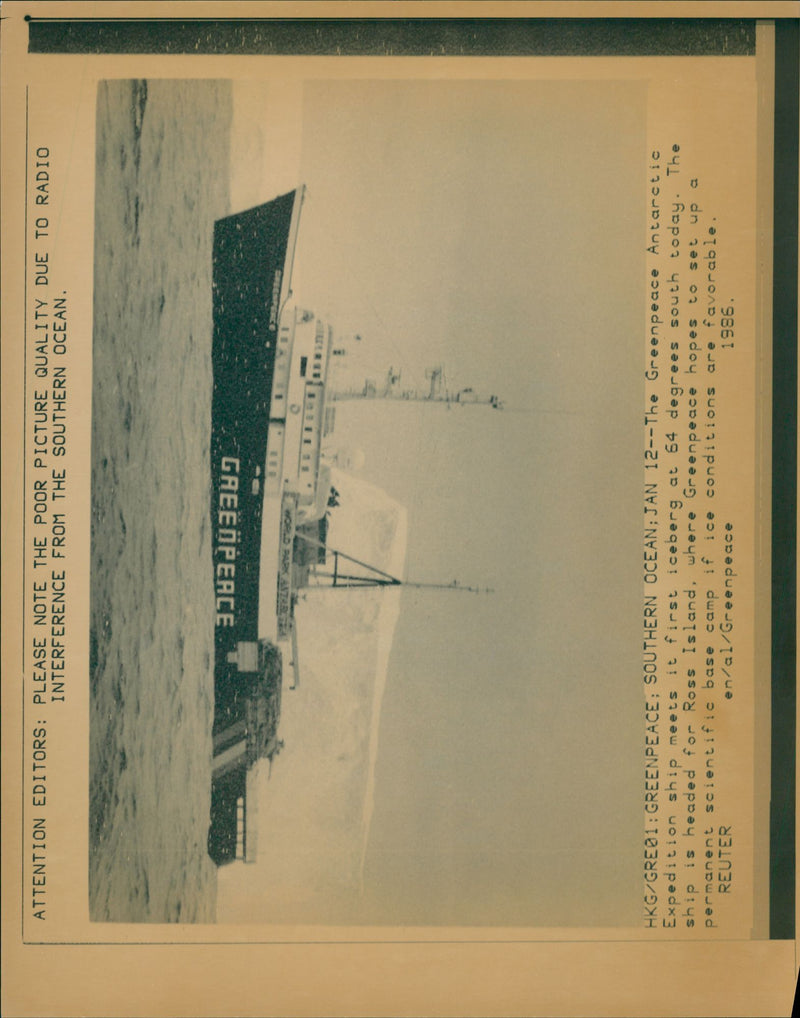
pixel 298 482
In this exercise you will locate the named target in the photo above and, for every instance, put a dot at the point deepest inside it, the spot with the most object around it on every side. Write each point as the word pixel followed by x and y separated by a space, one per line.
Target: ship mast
pixel 436 393
pixel 373 577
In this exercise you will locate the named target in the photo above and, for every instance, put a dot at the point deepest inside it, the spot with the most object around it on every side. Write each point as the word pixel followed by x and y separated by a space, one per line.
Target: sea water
pixel 162 180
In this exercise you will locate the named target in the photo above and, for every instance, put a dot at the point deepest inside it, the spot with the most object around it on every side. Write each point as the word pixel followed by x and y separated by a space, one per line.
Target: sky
pixel 495 228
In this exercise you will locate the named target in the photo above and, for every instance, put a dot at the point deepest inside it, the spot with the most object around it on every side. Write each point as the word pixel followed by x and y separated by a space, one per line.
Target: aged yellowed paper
pixel 394 498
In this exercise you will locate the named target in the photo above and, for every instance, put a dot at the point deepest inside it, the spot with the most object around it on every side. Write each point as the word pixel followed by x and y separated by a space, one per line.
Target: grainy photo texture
pixel 367 371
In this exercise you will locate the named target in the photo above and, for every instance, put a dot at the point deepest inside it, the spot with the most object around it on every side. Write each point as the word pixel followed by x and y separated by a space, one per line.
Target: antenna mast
pixel 375 577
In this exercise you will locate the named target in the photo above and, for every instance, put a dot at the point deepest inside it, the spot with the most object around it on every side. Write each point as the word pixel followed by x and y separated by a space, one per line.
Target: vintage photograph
pixel 399 501
pixel 367 373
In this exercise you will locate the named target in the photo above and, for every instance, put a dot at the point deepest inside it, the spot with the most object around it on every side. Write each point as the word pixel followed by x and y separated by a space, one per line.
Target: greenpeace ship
pixel 269 361
pixel 272 406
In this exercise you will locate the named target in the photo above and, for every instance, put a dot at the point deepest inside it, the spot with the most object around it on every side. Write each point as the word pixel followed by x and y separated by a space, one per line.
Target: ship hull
pixel 252 258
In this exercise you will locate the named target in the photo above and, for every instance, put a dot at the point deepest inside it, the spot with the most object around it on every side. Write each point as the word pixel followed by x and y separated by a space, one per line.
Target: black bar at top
pixel 784 485
pixel 399 36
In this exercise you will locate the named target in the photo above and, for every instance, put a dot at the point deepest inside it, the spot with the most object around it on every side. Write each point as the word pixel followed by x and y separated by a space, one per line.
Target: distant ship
pixel 269 362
